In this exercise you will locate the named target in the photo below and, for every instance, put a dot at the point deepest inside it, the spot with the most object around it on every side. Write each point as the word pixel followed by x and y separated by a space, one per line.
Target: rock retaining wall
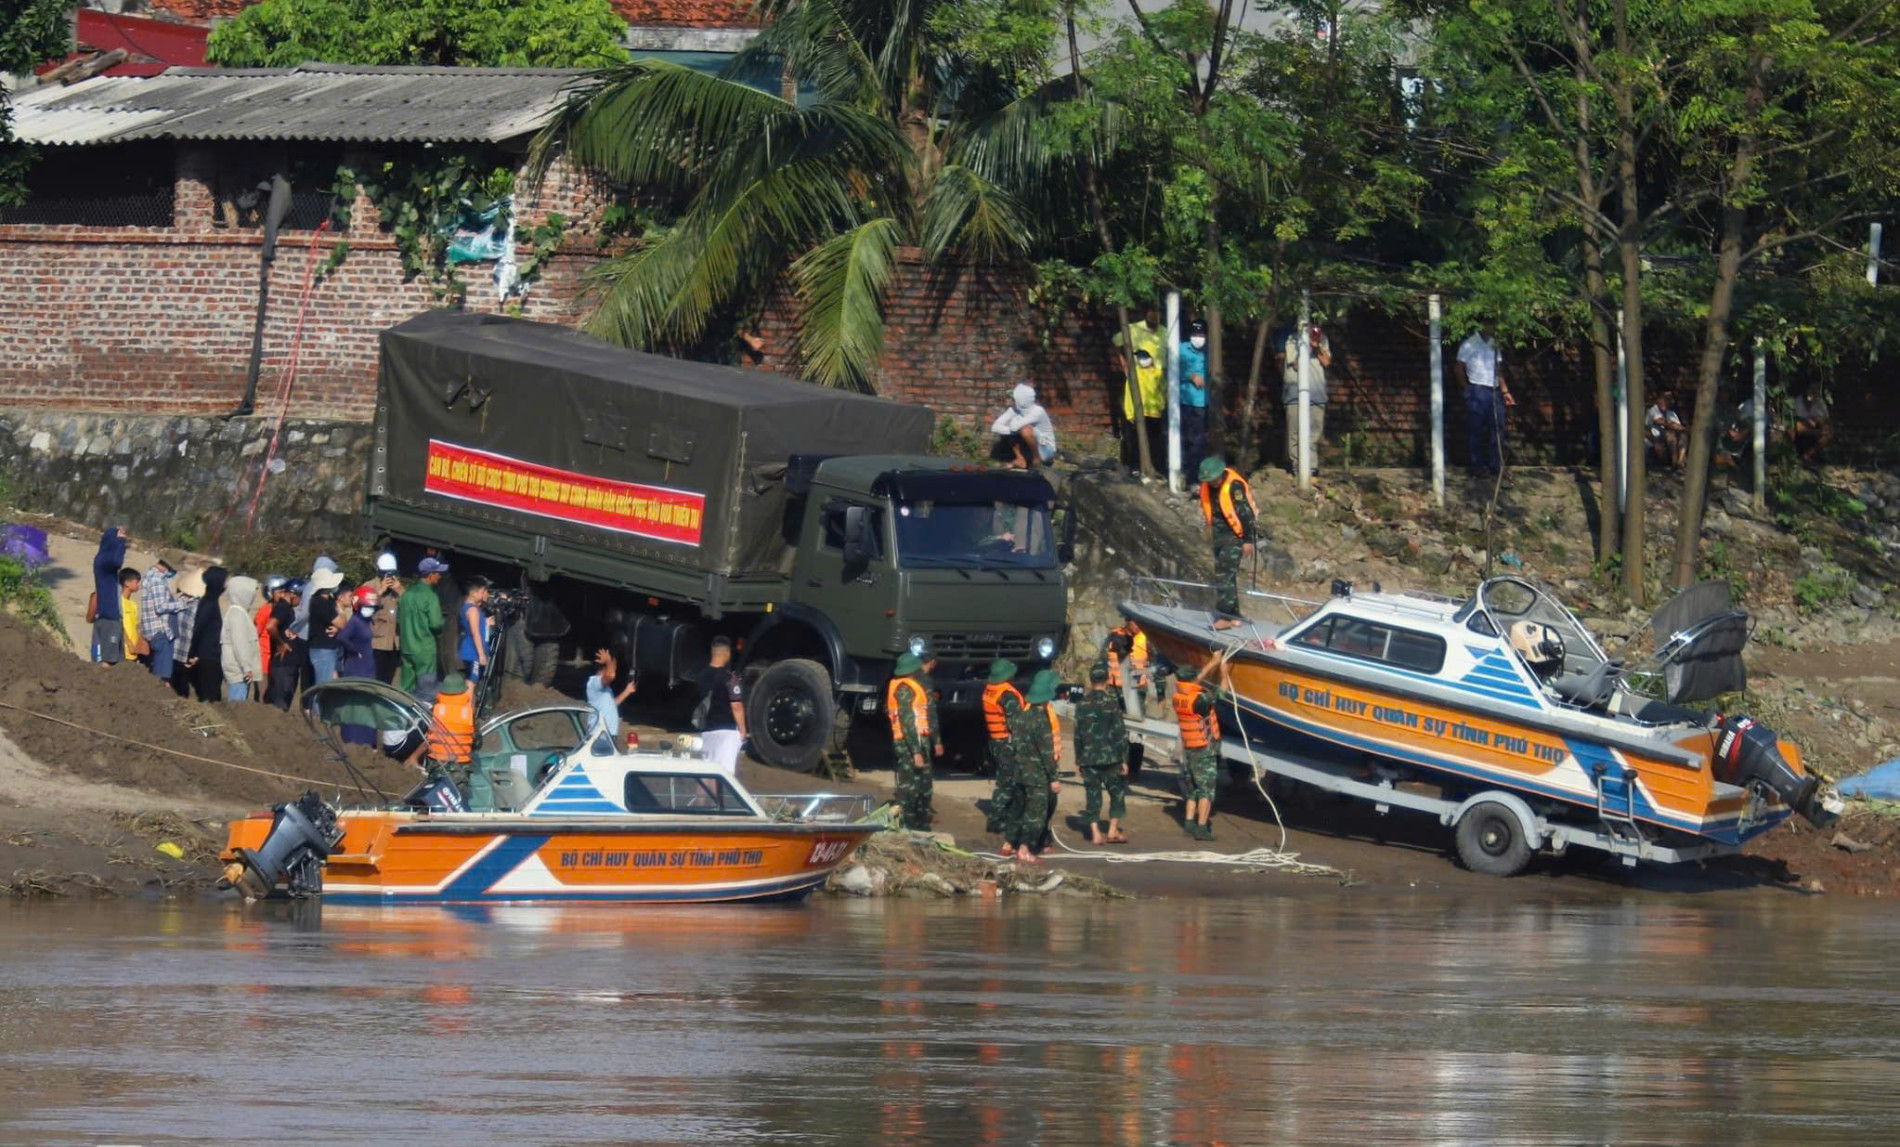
pixel 186 480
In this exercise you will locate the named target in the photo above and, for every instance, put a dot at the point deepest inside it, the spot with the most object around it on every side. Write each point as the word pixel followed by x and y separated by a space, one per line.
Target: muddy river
pixel 1301 1020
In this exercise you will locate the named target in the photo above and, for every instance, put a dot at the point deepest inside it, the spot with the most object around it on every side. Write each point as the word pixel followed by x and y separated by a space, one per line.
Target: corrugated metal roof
pixel 340 102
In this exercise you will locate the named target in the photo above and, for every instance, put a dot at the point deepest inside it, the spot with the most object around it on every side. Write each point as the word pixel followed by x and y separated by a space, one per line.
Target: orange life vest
pixel 1055 733
pixel 1197 732
pixel 262 620
pixel 1224 495
pixel 993 708
pixel 919 706
pixel 1137 653
pixel 452 737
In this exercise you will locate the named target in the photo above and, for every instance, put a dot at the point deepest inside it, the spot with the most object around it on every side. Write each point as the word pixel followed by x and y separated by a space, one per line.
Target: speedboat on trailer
pixel 1504 701
pixel 548 809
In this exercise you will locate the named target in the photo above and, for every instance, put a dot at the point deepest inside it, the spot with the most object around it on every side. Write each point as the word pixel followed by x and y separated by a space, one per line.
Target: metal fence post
pixel 1305 440
pixel 1438 400
pixel 1174 391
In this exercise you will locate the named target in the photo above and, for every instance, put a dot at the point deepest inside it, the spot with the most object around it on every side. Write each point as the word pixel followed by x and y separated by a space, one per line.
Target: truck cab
pixel 955 562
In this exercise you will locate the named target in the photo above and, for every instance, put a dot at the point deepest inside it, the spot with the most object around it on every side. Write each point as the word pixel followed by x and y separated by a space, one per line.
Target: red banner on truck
pixel 625 507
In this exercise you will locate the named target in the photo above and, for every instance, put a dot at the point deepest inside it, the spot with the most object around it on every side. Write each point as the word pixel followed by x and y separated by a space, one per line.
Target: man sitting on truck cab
pixel 1025 437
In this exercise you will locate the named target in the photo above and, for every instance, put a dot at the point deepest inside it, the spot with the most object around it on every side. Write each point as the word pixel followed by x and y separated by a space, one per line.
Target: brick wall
pixel 959 341
pixel 160 320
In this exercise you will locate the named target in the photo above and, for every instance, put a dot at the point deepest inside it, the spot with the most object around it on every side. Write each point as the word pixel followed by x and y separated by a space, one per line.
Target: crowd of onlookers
pixel 224 636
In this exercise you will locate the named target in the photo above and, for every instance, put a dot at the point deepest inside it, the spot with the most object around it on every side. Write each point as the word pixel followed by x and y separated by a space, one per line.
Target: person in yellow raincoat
pixel 1150 349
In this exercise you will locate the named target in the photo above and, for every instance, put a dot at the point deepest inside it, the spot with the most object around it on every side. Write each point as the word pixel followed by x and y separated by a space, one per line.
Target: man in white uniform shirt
pixel 1486 396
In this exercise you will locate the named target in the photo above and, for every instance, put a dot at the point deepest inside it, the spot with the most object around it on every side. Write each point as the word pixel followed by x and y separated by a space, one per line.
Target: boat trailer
pixel 1497 831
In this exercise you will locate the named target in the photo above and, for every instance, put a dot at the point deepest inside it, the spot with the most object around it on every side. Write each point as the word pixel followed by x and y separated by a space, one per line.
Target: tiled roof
pixel 315 101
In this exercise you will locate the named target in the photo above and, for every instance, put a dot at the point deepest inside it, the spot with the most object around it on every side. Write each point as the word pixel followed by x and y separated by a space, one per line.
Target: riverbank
pixel 84 814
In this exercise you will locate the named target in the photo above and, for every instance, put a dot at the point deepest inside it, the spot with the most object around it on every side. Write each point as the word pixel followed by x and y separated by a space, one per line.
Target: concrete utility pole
pixel 1438 400
pixel 1759 417
pixel 1873 254
pixel 1305 461
pixel 1174 391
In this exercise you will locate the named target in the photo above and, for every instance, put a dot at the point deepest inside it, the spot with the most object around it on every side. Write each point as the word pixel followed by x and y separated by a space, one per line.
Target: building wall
pixel 161 319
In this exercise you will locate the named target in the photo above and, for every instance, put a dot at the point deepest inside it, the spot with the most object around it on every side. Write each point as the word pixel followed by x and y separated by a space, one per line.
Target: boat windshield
pixel 937 534
pixel 1504 602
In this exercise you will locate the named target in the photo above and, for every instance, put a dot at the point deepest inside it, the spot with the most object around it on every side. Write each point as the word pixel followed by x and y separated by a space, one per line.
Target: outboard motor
pixel 1750 753
pixel 436 794
pixel 302 835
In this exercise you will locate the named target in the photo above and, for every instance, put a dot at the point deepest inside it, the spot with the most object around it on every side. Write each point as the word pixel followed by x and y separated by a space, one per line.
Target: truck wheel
pixel 792 715
pixel 1491 841
pixel 547 656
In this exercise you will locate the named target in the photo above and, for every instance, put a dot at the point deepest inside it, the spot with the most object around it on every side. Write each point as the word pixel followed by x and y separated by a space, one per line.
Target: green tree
pixel 907 104
pixel 31 31
pixel 1783 125
pixel 450 33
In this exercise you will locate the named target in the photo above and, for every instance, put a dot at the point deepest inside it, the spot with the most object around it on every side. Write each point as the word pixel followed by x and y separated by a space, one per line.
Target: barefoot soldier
pixel 1033 733
pixel 1195 709
pixel 1101 752
pixel 1228 508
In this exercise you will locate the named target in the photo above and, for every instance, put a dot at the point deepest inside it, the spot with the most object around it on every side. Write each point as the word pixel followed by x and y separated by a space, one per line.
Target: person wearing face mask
pixel 1193 392
pixel 1025 438
pixel 355 643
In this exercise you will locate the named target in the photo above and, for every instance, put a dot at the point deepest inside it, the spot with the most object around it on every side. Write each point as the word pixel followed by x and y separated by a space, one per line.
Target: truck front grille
pixel 981 646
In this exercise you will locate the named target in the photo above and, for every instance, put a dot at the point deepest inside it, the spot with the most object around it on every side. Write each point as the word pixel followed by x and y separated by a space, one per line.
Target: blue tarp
pixel 1881 783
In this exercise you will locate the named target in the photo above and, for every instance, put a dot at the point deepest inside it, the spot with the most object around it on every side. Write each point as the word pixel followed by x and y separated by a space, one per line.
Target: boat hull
pixel 1481 745
pixel 404 857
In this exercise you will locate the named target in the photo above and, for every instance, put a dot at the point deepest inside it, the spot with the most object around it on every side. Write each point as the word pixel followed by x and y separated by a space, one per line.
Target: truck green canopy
pixel 535 429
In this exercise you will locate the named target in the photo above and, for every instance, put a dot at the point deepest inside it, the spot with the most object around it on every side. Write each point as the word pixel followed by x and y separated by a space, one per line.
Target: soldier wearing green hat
pixel 915 740
pixel 1101 755
pixel 1001 702
pixel 1038 750
pixel 1228 508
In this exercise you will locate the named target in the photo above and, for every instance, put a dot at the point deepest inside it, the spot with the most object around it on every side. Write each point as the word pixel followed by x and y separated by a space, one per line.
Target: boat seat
pixel 1588 690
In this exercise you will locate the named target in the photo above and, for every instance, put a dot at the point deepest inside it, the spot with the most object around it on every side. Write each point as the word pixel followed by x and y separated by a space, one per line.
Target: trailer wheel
pixel 547 657
pixel 1491 840
pixel 792 715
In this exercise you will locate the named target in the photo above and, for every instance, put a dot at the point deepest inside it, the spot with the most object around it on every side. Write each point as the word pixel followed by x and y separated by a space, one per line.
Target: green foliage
pixel 1822 587
pixel 420 199
pixel 265 553
pixel 448 33
pixel 26 597
pixel 1719 563
pixel 30 31
pixel 952 439
pixel 915 115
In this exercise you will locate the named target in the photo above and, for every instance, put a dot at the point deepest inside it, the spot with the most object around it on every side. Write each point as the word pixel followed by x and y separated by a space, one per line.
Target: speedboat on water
pixel 545 808
pixel 1508 706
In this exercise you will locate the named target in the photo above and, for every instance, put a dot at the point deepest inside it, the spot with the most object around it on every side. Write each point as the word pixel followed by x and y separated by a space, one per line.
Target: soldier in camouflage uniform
pixel 915 741
pixel 1101 753
pixel 1032 732
pixel 1227 508
pixel 1197 709
pixel 1001 702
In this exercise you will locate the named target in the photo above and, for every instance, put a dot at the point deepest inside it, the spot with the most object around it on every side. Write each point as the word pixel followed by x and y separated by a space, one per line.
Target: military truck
pixel 649 504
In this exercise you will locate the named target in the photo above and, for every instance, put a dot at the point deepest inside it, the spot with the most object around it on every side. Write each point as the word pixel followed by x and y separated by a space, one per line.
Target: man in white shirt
pixel 1486 396
pixel 1668 437
pixel 1025 438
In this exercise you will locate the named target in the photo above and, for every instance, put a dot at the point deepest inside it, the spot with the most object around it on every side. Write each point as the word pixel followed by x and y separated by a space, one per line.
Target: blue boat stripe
pixel 499 862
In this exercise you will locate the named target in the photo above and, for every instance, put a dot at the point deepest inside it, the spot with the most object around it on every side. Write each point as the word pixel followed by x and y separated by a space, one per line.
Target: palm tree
pixel 820 191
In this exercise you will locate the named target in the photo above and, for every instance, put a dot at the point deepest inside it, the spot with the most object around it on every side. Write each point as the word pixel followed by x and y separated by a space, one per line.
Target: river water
pixel 1357 1019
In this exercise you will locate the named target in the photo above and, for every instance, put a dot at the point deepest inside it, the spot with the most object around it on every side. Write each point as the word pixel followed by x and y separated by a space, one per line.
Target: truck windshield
pixel 972 535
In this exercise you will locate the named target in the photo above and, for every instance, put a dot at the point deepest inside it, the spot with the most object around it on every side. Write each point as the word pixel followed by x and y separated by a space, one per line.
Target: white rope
pixel 1262 859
